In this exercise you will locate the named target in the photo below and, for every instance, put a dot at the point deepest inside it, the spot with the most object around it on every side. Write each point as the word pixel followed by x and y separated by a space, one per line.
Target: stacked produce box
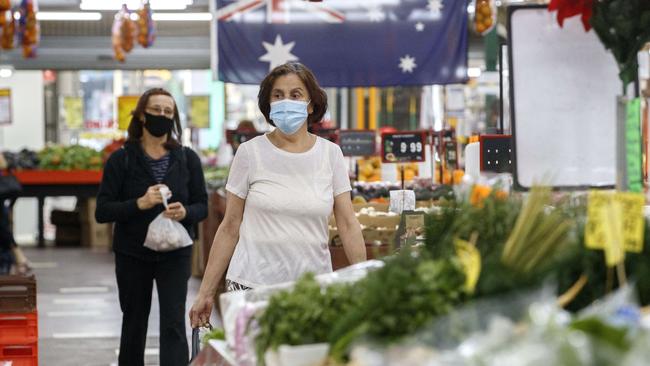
pixel 18 321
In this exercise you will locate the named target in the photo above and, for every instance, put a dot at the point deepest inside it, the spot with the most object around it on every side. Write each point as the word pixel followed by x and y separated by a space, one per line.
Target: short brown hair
pixel 136 125
pixel 317 95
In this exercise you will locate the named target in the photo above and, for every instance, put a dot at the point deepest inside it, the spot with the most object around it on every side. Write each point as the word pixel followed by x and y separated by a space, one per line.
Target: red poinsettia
pixel 569 8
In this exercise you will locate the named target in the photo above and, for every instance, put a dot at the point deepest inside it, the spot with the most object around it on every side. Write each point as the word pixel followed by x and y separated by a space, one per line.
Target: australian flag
pixel 345 42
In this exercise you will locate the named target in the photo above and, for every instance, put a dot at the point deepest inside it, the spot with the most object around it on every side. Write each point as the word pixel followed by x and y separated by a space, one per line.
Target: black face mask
pixel 158 126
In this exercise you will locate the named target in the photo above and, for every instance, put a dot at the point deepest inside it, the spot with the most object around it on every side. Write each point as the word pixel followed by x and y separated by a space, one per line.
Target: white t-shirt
pixel 289 198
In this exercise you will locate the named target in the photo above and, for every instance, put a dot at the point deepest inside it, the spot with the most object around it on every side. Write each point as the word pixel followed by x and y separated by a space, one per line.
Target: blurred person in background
pixel 245 127
pixel 130 196
pixel 10 254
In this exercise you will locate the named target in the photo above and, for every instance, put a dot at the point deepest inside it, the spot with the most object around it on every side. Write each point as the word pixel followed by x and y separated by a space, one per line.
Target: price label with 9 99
pixel 403 147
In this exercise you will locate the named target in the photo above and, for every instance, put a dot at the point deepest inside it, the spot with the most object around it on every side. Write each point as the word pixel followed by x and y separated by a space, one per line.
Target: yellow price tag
pixel 611 220
pixel 594 229
pixel 615 223
pixel 632 220
pixel 470 259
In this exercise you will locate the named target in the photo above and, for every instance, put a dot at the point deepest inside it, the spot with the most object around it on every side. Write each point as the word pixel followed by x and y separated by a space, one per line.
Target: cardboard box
pixel 382 207
pixel 378 235
pixel 93 234
pixel 384 221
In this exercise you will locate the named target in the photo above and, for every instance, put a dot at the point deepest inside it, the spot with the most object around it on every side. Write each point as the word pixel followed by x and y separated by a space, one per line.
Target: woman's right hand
pixel 201 311
pixel 151 198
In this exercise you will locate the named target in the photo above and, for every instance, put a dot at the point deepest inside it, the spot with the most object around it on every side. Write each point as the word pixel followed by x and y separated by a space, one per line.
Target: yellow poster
pixel 199 111
pixel 73 112
pixel 125 105
pixel 5 106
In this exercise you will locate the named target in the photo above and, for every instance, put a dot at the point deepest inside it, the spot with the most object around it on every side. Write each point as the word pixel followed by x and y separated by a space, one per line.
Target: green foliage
pixel 216 333
pixel 393 301
pixel 398 299
pixel 303 315
pixel 74 157
pixel 624 27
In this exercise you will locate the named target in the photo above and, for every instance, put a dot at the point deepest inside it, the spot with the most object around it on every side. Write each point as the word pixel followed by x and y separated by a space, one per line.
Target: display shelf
pixel 47 177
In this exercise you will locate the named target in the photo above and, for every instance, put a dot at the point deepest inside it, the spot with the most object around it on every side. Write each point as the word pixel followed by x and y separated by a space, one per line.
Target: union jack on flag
pixel 345 42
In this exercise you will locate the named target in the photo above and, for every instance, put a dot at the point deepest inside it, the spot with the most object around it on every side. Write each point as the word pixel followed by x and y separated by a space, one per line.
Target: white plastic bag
pixel 165 234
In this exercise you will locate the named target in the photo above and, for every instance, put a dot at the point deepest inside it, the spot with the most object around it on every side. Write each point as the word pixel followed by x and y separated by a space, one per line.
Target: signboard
pixel 73 112
pixel 199 111
pixel 5 106
pixel 125 105
pixel 403 147
pixel 358 142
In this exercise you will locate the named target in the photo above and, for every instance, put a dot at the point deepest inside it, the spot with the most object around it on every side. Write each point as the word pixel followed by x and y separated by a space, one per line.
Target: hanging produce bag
pixel 8 25
pixel 123 34
pixel 485 16
pixel 165 234
pixel 5 5
pixel 28 28
pixel 146 26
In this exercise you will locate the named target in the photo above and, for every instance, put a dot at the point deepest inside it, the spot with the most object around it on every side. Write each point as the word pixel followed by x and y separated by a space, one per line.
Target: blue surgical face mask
pixel 289 115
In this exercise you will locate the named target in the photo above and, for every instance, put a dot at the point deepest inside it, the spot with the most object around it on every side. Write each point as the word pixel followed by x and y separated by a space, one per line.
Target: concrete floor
pixel 79 313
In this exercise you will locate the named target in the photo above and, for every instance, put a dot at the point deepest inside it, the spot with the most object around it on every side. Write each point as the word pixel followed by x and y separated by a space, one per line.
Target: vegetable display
pixel 479 246
pixel 73 157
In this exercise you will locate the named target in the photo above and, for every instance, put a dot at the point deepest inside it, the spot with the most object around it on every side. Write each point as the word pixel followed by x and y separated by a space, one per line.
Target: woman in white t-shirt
pixel 281 190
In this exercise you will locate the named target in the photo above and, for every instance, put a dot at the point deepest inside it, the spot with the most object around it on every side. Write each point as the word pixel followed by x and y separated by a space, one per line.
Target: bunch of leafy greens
pixel 624 27
pixel 303 315
pixel 398 299
pixel 393 301
pixel 216 333
pixel 521 243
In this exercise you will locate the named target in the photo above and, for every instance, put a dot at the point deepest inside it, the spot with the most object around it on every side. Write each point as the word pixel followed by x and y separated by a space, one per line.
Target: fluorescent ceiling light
pixel 180 17
pixel 474 72
pixel 134 4
pixel 53 15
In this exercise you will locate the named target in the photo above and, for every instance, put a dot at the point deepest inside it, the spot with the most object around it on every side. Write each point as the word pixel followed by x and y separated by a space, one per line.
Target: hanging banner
pixel 73 112
pixel 5 106
pixel 386 43
pixel 199 111
pixel 125 105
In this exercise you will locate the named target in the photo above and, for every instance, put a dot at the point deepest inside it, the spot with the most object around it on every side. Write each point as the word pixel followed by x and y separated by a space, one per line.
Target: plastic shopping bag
pixel 165 234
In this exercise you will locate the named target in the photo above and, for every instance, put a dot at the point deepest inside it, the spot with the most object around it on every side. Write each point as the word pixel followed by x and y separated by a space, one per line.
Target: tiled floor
pixel 79 313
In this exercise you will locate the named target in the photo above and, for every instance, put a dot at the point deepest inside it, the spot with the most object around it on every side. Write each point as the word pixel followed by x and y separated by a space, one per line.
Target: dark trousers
pixel 6 240
pixel 135 284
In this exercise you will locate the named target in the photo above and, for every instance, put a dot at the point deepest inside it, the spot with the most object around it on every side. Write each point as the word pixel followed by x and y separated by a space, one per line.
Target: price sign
pixel 403 147
pixel 357 142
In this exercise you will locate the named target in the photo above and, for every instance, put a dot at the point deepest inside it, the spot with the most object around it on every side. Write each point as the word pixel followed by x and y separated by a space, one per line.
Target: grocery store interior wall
pixel 26 131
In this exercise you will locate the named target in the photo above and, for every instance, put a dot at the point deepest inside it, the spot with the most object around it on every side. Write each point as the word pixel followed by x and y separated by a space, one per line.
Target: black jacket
pixel 127 176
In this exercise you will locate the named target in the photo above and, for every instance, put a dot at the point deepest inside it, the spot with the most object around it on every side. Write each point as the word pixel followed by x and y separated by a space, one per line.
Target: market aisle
pixel 79 313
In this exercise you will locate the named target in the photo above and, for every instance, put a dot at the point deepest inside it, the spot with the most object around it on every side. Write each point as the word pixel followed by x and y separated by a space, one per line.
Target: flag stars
pixel 419 26
pixel 407 64
pixel 278 53
pixel 376 15
pixel 435 6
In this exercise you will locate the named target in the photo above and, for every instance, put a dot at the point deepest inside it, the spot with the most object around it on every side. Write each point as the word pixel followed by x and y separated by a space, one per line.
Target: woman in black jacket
pixel 130 197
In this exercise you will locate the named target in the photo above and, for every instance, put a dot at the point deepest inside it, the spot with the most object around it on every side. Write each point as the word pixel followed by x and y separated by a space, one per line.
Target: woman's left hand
pixel 175 211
